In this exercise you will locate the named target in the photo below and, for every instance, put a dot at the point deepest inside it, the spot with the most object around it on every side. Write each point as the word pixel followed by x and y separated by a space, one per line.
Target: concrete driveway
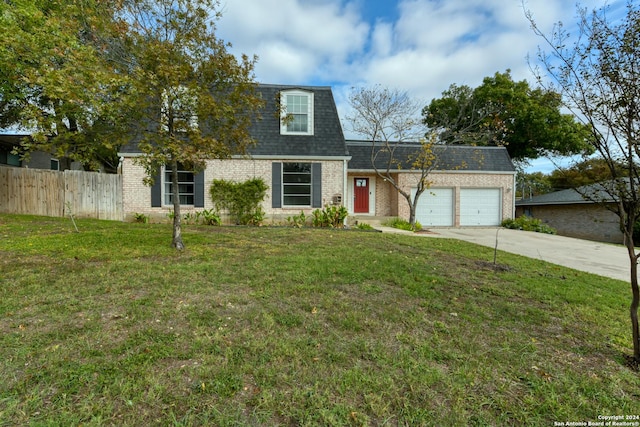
pixel 603 259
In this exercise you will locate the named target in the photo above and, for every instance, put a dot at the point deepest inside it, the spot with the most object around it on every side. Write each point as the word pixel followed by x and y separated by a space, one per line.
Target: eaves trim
pixel 474 172
pixel 263 157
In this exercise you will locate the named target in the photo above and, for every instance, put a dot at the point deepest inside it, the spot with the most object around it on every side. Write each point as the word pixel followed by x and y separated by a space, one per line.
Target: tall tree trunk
pixel 175 189
pixel 635 301
pixel 628 221
pixel 412 212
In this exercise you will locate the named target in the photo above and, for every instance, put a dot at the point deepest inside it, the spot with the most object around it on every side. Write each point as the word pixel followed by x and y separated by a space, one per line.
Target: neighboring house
pixel 470 186
pixel 37 159
pixel 574 216
pixel 304 161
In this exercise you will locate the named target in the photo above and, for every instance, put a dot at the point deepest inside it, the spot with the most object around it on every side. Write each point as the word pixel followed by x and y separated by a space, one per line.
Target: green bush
pixel 528 223
pixel 141 218
pixel 241 199
pixel 298 221
pixel 402 224
pixel 331 216
pixel 205 217
pixel 210 217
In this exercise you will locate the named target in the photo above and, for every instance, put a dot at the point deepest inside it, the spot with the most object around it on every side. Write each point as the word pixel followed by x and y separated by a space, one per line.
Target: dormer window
pixel 297 113
pixel 179 106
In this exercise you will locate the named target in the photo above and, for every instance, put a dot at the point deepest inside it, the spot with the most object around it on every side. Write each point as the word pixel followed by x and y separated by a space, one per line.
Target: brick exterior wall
pixel 390 203
pixel 137 196
pixel 583 221
pixel 386 198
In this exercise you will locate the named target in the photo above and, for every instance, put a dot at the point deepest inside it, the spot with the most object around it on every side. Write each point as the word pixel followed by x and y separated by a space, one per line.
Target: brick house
pixel 308 164
pixel 304 162
pixel 574 216
pixel 470 186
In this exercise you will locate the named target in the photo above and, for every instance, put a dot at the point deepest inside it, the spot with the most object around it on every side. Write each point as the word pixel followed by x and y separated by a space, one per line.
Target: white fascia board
pixel 487 172
pixel 318 158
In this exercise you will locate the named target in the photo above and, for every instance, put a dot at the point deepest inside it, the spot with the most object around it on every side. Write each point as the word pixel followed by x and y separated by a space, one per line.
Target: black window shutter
pixel 156 190
pixel 316 185
pixel 276 185
pixel 198 188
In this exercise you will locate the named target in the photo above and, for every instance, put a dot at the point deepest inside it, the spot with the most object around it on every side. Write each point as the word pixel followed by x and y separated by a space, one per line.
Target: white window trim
pixel 163 192
pixel 57 163
pixel 310 106
pixel 311 189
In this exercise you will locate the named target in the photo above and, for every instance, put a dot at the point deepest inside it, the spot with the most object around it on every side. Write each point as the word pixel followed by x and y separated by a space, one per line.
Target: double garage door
pixel 478 206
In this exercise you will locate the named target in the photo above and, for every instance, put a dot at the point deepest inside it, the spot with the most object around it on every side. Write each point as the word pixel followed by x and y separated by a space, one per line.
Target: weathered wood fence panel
pixel 52 193
pixel 94 195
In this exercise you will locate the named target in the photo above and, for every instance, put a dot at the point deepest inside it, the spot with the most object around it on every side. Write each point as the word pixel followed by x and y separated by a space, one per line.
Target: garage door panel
pixel 435 207
pixel 480 206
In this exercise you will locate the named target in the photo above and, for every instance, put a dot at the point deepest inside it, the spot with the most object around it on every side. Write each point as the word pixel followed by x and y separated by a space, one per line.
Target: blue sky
pixel 421 46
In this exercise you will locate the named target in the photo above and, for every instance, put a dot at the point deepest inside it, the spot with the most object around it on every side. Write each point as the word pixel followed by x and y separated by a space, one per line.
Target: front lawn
pixel 284 326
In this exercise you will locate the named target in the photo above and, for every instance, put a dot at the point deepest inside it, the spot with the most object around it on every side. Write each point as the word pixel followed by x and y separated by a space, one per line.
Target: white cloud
pixel 382 39
pixel 421 46
pixel 293 39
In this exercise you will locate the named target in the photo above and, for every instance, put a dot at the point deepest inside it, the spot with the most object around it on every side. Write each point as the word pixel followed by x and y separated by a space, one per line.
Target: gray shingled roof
pixel 327 140
pixel 449 157
pixel 563 197
pixel 586 194
pixel 12 140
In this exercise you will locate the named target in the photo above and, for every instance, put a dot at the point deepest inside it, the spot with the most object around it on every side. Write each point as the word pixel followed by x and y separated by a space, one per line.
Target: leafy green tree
pixel 584 173
pixel 504 112
pixel 193 99
pixel 59 79
pixel 598 74
pixel 532 184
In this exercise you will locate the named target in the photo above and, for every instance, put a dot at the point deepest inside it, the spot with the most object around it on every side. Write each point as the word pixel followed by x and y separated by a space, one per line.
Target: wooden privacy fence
pixel 53 193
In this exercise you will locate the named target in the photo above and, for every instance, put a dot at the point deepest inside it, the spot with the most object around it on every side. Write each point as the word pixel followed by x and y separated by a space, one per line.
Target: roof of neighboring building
pixel 10 140
pixel 584 195
pixel 449 157
pixel 327 139
pixel 563 197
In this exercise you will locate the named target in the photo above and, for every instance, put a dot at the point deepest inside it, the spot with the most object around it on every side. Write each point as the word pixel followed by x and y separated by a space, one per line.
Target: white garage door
pixel 435 207
pixel 480 206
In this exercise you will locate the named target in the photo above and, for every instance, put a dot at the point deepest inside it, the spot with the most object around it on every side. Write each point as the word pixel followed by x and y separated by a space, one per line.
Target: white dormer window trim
pixel 297 114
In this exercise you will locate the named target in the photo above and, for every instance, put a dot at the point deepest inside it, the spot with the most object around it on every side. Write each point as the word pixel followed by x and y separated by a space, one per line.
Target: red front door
pixel 361 195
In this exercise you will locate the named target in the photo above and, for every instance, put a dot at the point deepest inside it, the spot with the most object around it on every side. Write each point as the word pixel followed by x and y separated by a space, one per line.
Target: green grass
pixel 282 326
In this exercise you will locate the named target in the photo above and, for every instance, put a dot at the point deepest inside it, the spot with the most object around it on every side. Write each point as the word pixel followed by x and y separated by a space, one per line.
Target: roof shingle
pixel 448 157
pixel 327 139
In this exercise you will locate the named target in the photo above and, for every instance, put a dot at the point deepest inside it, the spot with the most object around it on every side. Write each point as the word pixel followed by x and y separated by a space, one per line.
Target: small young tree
pixel 193 99
pixel 598 75
pixel 389 119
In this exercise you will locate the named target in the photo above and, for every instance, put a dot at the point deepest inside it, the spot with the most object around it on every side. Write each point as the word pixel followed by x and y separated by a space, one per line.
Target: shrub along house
pixel 470 186
pixel 303 161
